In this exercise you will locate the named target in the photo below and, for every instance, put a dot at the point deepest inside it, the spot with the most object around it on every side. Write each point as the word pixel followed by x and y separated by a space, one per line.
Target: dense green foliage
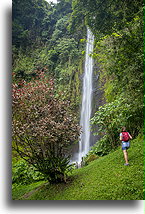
pixel 105 16
pixel 109 119
pixel 103 179
pixel 22 173
pixel 42 41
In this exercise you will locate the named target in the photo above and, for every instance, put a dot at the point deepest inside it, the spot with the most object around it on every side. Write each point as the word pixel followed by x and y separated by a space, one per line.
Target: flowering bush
pixel 43 127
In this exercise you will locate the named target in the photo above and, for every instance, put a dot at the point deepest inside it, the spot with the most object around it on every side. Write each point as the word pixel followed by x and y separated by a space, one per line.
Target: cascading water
pixel 84 143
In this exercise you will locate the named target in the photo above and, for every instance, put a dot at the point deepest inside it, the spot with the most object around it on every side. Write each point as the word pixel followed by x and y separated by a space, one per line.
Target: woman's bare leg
pixel 125 156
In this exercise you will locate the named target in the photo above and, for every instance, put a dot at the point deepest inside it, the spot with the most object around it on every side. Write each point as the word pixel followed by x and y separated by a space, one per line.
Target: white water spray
pixel 84 143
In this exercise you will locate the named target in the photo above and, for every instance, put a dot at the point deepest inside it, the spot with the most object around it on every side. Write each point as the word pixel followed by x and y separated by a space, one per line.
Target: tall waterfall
pixel 84 143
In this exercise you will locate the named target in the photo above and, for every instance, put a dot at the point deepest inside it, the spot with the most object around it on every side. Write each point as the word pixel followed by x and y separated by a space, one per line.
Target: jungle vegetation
pixel 48 46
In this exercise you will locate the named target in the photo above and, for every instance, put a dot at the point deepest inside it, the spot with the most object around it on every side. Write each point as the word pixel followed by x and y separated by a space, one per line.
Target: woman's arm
pixel 121 137
pixel 130 136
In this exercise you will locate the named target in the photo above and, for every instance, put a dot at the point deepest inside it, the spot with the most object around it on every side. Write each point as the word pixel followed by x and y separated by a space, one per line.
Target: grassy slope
pixel 104 179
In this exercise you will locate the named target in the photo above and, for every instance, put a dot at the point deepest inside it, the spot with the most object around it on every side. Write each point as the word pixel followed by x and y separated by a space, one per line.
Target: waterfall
pixel 84 143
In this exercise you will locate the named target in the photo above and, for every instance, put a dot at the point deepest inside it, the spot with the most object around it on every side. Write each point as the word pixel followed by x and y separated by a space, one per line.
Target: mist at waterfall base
pixel 86 136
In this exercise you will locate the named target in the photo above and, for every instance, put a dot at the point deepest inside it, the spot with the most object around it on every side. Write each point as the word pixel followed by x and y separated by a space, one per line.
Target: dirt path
pixel 27 195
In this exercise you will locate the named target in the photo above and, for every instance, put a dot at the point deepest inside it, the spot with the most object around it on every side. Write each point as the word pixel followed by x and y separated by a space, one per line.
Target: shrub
pixel 90 158
pixel 110 118
pixel 43 127
pixel 102 147
pixel 22 173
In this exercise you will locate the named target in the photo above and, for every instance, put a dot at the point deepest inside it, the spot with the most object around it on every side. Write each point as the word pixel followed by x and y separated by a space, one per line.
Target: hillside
pixel 104 179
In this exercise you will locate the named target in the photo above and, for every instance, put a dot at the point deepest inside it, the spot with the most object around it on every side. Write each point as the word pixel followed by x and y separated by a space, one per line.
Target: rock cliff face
pixel 97 98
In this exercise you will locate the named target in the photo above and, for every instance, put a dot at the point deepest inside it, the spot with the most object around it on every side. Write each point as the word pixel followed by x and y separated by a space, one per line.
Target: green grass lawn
pixel 103 179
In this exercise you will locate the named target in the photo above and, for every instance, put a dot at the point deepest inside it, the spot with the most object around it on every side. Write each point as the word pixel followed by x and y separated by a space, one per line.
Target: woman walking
pixel 125 137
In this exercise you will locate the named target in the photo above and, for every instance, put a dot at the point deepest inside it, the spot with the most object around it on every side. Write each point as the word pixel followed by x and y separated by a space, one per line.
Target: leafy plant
pixel 101 147
pixel 89 158
pixel 44 129
pixel 110 118
pixel 22 173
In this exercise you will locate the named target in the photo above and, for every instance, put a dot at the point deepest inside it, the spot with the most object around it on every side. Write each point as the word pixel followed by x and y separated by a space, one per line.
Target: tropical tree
pixel 43 128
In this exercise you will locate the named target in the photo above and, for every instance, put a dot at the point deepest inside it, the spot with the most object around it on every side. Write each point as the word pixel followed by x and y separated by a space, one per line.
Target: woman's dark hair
pixel 123 129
